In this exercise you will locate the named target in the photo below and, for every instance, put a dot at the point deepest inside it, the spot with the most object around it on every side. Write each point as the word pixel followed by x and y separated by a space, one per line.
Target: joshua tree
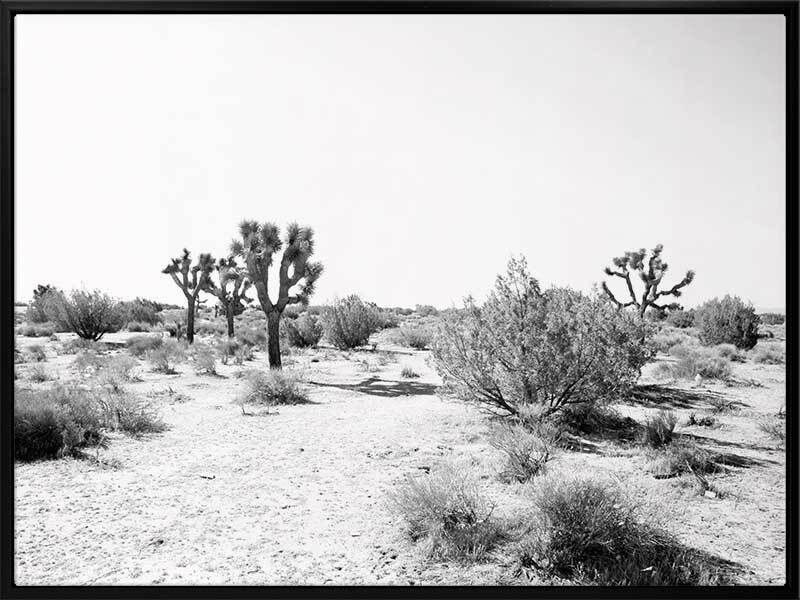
pixel 260 241
pixel 231 291
pixel 650 272
pixel 192 280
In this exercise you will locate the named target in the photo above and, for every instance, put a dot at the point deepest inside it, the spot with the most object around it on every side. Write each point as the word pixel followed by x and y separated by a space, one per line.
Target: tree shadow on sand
pixel 664 396
pixel 374 386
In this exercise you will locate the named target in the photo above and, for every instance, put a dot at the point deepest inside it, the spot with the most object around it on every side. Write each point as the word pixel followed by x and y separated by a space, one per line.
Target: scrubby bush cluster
pixel 589 531
pixel 349 322
pixel 728 321
pixel 527 448
pixel 659 429
pixel 273 387
pixel 166 356
pixel 303 332
pixel 693 361
pixel 446 512
pixel 141 311
pixel 419 338
pixel 772 318
pixel 769 353
pixel 90 314
pixel 550 348
pixel 139 345
pixel 63 419
pixel 36 330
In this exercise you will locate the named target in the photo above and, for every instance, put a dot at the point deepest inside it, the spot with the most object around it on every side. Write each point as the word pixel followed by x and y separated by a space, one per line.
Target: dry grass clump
pixel 139 345
pixel 35 353
pixel 273 387
pixel 668 337
pixel 769 353
pixel 774 427
pixel 588 418
pixel 447 513
pixel 139 327
pixel 39 374
pixel 587 530
pixel 419 338
pixel 166 357
pixel 680 457
pixel 527 450
pixel 702 421
pixel 409 373
pixel 659 429
pixel 693 361
pixel 204 359
pixel 76 345
pixel 730 352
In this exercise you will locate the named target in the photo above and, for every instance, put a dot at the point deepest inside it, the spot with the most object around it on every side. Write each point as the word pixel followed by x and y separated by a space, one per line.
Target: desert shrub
pixel 39 374
pixel 36 330
pixel 552 348
pixel 273 387
pixel 252 336
pixel 210 328
pixel 388 319
pixel 139 327
pixel 668 337
pixel 730 352
pixel 659 429
pixel 349 322
pixel 526 450
pixel 681 318
pixel 680 457
pixel 36 312
pixel 701 421
pixel 141 310
pixel 700 361
pixel 175 329
pixel 123 367
pixel 589 531
pixel 76 345
pixel 303 332
pixel 36 353
pixel 769 353
pixel 131 414
pixel 139 345
pixel 772 318
pixel 409 373
pixel 53 422
pixel 426 310
pixel 204 359
pixel 446 511
pixel 728 321
pixel 88 314
pixel 166 357
pixel 227 348
pixel 418 338
pixel 774 427
pixel 88 361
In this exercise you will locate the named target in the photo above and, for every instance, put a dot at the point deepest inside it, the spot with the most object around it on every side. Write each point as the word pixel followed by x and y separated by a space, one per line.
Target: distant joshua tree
pixel 651 270
pixel 192 280
pixel 231 291
pixel 260 241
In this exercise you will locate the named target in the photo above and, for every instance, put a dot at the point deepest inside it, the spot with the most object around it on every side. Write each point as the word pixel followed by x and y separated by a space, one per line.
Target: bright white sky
pixel 424 150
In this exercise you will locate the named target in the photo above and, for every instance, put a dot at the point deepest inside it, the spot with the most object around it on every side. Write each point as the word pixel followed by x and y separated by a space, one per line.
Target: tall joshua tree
pixel 192 279
pixel 259 243
pixel 651 271
pixel 232 289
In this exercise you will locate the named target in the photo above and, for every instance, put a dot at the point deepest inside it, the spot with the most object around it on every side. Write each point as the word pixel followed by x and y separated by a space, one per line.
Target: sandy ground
pixel 300 495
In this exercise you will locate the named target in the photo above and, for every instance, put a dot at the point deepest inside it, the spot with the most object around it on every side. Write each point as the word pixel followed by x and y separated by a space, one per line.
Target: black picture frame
pixel 9 9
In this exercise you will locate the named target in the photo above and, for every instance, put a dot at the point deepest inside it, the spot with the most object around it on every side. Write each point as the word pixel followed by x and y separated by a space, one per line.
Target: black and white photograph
pixel 415 299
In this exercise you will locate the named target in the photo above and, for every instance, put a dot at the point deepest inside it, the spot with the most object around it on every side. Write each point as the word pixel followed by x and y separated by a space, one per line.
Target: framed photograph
pixel 388 294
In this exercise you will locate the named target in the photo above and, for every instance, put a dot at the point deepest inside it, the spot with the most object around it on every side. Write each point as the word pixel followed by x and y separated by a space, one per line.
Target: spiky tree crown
pixel 257 247
pixel 190 278
pixel 651 272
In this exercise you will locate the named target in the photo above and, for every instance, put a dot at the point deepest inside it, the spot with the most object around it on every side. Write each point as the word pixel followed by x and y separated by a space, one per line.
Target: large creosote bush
pixel 90 314
pixel 728 321
pixel 525 346
pixel 349 322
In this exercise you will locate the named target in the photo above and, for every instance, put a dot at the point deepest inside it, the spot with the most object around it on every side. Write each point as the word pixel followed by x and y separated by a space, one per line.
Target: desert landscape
pixel 144 460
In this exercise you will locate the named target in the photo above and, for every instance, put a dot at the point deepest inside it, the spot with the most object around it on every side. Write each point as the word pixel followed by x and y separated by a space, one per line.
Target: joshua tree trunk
pixel 229 316
pixel 190 320
pixel 273 339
